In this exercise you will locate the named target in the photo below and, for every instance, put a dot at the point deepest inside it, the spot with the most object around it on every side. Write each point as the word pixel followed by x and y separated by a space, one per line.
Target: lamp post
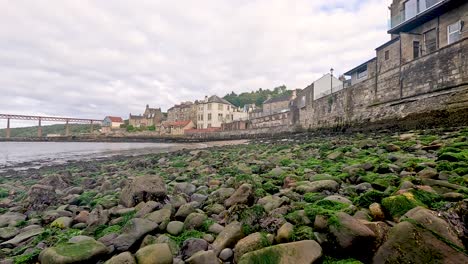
pixel 331 80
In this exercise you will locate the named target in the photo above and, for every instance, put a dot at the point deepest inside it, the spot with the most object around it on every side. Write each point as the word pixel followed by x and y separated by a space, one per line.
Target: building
pixel 112 122
pixel 326 84
pixel 176 128
pixel 420 27
pixel 214 111
pixel 362 72
pixel 182 112
pixel 151 117
pixel 278 104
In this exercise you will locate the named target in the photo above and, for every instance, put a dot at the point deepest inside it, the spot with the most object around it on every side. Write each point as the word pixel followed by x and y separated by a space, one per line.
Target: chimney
pixel 206 98
pixel 147 106
pixel 294 94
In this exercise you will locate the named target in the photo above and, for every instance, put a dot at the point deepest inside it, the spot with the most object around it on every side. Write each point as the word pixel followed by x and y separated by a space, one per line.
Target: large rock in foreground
pixel 133 232
pixel 408 243
pixel 87 251
pixel 301 252
pixel 143 189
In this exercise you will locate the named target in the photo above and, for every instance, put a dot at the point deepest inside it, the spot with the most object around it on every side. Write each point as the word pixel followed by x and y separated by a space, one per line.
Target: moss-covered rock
pixel 87 251
pixel 301 252
pixel 398 205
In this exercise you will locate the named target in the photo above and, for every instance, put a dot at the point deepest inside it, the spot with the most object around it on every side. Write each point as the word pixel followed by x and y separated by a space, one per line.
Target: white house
pixel 325 85
pixel 213 111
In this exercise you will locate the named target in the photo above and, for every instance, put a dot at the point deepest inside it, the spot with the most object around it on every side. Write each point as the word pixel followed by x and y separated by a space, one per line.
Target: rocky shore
pixel 357 198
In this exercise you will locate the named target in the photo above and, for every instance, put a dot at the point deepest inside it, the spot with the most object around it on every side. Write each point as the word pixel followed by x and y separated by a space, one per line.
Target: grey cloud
pixel 97 58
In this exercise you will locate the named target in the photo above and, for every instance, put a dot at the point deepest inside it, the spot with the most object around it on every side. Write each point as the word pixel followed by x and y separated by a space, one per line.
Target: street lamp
pixel 331 80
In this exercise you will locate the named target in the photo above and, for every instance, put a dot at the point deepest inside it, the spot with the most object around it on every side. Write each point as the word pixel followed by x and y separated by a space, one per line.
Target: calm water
pixel 22 155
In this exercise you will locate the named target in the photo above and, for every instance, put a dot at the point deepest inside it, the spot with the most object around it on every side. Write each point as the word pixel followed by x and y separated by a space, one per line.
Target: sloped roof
pixel 178 123
pixel 217 99
pixel 115 119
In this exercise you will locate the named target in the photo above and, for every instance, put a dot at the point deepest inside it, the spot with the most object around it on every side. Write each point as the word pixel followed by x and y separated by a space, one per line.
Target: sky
pixel 91 59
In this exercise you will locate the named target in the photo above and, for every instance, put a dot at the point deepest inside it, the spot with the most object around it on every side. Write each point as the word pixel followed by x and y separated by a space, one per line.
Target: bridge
pixel 67 121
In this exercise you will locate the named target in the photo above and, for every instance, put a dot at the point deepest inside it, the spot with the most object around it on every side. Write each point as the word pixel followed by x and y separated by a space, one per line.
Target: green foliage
pixel 179 164
pixel 27 258
pixel 313 197
pixel 86 198
pixel 266 256
pixel 428 198
pixel 303 233
pixel 369 197
pixel 21 224
pixel 4 193
pixel 206 224
pixel 250 218
pixel 400 204
pixel 324 207
pixel 55 236
pixel 151 128
pixel 270 188
pixel 255 97
pixel 103 230
pixel 332 260
pixel 286 162
pixel 130 128
pixel 186 235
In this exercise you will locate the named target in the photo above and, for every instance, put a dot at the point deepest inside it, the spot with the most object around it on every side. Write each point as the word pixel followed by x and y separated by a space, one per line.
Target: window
pixel 220 117
pixel 228 107
pixel 415 49
pixel 387 55
pixel 209 117
pixel 411 9
pixel 453 32
pixel 209 106
pixel 220 107
pixel 362 72
pixel 430 40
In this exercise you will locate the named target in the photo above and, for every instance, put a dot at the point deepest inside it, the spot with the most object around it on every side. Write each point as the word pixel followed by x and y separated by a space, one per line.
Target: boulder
pixel 431 221
pixel 317 186
pixel 143 188
pixel 351 235
pixel 184 187
pixel 250 243
pixel 122 258
pixel 185 210
pixel 194 220
pixel 160 217
pixel 175 227
pixel 11 219
pixel 285 233
pixel 8 232
pixel 40 197
pixel 204 257
pixel 408 243
pixel 192 246
pixel 228 237
pixel 338 198
pixel 82 217
pixel 98 216
pixel 376 212
pixel 301 252
pixel 147 208
pixel 154 254
pixel 271 202
pixel 132 232
pixel 23 235
pixel 226 254
pixel 428 173
pixel 62 222
pixel 242 195
pixel 88 251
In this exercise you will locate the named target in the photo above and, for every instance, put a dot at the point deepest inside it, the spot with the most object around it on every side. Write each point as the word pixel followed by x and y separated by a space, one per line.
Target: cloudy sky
pixel 97 58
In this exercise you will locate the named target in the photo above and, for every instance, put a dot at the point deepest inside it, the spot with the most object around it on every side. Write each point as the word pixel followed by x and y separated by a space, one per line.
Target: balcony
pixel 417 12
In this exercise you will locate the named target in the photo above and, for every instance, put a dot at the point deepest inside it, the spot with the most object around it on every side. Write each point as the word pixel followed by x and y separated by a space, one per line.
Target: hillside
pixel 75 129
pixel 255 97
